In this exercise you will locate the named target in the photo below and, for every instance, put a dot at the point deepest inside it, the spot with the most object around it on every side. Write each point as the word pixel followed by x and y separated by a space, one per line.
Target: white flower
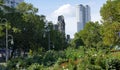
pixel 66 69
pixel 63 67
pixel 95 55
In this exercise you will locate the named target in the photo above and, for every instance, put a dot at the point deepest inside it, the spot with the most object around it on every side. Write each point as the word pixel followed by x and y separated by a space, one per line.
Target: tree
pixel 110 11
pixel 57 39
pixel 77 41
pixel 26 26
pixel 111 23
pixel 31 26
pixel 91 35
pixel 26 8
pixel 111 35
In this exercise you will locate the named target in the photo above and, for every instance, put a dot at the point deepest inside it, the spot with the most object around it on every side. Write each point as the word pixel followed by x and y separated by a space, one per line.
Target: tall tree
pixel 57 39
pixel 77 41
pixel 91 35
pixel 26 8
pixel 26 26
pixel 111 35
pixel 110 13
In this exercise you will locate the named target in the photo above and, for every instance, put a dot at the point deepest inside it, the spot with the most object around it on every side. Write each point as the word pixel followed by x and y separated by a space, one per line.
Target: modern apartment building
pixel 12 3
pixel 82 15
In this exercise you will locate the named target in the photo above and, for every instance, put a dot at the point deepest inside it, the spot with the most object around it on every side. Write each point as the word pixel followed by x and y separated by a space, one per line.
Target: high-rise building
pixel 61 24
pixel 82 16
pixel 12 3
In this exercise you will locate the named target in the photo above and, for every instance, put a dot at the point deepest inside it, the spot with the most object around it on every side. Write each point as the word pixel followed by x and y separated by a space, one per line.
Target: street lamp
pixel 4 20
pixel 11 40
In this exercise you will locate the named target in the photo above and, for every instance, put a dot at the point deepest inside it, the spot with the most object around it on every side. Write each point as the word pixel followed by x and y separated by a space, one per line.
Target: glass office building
pixel 82 16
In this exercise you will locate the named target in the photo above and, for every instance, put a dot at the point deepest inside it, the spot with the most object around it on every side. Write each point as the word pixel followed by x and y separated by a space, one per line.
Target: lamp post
pixel 6 35
pixel 4 20
pixel 11 40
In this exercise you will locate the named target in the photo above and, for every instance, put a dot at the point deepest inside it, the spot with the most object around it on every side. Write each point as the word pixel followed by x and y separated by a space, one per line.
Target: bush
pixel 93 60
pixel 72 53
pixel 36 66
pixel 47 59
pixel 11 65
pixel 2 67
pixel 23 62
pixel 50 58
pixel 114 64
pixel 72 59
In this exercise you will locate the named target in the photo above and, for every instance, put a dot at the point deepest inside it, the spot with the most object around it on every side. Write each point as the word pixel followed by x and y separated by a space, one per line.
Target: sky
pixel 53 8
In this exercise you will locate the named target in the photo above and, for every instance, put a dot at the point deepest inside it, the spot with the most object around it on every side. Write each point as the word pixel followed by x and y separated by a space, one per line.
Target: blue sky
pixel 52 8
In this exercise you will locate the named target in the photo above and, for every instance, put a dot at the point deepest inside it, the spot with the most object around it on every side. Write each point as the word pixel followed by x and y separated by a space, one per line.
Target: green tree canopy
pixel 91 35
pixel 111 34
pixel 26 8
pixel 1 2
pixel 111 11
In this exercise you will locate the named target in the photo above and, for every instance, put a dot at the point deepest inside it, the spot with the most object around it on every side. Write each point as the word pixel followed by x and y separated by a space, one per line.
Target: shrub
pixel 93 60
pixel 114 64
pixel 2 67
pixel 11 65
pixel 72 53
pixel 23 62
pixel 36 66
pixel 50 58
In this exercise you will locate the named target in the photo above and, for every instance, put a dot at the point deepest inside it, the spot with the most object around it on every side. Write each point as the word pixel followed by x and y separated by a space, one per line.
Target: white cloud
pixel 66 10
